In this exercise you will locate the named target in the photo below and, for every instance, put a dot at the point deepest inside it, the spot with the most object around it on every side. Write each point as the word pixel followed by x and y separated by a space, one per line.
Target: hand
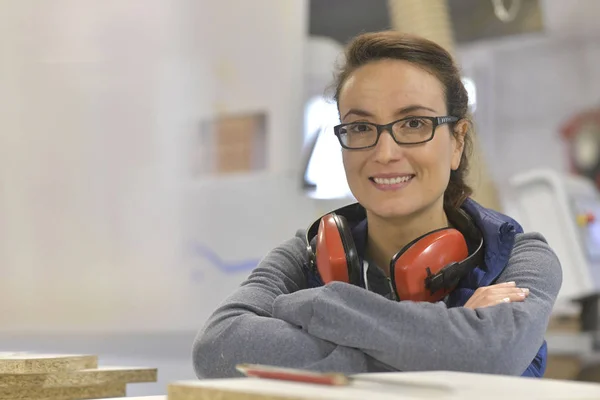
pixel 296 308
pixel 488 296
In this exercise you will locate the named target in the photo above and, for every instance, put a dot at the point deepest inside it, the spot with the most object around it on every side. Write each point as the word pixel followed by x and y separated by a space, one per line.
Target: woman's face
pixel 392 180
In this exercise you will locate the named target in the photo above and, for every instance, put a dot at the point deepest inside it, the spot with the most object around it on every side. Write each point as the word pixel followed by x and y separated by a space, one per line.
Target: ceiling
pixel 344 19
pixel 473 20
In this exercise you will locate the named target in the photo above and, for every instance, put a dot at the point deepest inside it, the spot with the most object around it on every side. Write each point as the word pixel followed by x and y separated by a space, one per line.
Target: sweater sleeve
pixel 411 336
pixel 242 329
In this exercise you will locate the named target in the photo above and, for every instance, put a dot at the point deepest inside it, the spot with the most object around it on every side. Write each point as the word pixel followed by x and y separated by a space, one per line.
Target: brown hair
pixel 435 59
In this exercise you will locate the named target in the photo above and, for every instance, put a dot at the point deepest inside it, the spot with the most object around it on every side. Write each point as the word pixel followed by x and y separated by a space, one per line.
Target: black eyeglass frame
pixel 436 121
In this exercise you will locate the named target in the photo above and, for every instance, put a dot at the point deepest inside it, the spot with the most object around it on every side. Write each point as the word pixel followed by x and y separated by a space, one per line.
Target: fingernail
pixel 521 294
pixel 525 290
pixel 512 283
pixel 506 300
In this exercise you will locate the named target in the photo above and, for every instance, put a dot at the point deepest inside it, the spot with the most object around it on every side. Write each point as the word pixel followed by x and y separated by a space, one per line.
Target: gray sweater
pixel 274 319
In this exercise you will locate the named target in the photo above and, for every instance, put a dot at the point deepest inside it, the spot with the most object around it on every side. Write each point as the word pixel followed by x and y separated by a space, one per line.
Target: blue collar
pixel 498 231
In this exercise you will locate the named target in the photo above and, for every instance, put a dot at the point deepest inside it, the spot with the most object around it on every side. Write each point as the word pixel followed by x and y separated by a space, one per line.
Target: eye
pixel 414 123
pixel 360 127
pixel 357 128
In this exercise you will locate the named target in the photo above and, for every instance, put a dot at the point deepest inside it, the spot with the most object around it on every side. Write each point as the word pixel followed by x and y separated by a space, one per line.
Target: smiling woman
pixel 422 99
pixel 414 276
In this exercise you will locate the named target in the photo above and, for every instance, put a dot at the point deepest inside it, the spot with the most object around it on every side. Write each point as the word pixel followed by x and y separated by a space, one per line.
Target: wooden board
pixel 138 398
pixel 408 386
pixel 65 377
pixel 64 393
pixel 31 363
pixel 84 377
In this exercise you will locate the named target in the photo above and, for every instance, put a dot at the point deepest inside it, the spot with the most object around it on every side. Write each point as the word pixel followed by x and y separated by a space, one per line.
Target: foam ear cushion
pixel 434 250
pixel 335 253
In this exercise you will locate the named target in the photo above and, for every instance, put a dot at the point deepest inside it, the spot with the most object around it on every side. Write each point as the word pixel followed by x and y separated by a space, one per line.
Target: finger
pixel 497 294
pixel 496 286
pixel 511 298
pixel 506 291
pixel 489 301
pixel 511 283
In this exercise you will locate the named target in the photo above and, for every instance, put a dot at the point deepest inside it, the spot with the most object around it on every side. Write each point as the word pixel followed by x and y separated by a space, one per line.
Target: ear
pixel 460 132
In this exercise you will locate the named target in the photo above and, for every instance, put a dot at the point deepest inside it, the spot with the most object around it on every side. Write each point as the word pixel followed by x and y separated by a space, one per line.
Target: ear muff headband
pixel 353 212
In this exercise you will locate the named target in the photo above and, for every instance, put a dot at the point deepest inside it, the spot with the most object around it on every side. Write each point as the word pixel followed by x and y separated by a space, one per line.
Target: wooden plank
pixel 408 386
pixel 64 393
pixel 138 398
pixel 34 376
pixel 32 363
pixel 85 377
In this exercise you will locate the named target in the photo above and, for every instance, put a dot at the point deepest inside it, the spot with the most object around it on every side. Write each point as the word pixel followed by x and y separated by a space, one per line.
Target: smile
pixel 391 183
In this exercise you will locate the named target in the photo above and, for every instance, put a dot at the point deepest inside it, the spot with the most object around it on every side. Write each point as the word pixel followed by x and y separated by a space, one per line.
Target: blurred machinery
pixel 582 136
pixel 565 208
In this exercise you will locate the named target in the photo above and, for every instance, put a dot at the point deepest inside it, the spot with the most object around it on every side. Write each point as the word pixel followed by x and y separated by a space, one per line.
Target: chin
pixel 392 208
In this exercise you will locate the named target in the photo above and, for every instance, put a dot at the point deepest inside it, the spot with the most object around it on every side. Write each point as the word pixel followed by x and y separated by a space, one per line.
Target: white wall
pixel 81 171
pixel 98 102
pixel 98 213
pixel 573 17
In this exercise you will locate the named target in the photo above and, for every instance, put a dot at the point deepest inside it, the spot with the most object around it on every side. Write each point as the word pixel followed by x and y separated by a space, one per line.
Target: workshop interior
pixel 152 152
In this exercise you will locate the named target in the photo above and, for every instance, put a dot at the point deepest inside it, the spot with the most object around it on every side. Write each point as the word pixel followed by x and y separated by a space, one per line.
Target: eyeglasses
pixel 410 130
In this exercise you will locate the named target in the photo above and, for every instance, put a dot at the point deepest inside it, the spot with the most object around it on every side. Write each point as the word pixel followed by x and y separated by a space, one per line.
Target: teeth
pixel 392 181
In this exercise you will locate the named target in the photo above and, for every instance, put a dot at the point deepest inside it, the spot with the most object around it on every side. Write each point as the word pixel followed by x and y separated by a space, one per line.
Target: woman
pixel 408 177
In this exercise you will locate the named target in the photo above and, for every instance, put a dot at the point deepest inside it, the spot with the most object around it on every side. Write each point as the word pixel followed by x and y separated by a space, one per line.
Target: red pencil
pixel 294 375
pixel 330 379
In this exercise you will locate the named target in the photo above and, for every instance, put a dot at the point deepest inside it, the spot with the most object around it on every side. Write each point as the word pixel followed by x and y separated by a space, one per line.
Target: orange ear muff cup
pixel 330 254
pixel 335 253
pixel 434 251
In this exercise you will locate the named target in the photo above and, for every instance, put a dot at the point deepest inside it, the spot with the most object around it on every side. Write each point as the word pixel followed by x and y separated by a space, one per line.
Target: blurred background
pixel 152 152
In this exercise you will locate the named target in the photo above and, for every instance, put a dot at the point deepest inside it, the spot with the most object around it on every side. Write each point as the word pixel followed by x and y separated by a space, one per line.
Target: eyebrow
pixel 403 110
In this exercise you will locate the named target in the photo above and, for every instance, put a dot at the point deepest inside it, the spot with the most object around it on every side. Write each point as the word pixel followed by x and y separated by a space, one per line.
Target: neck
pixel 388 236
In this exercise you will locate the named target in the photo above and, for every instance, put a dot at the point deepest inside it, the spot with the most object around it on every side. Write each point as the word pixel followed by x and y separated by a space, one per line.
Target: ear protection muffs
pixel 427 269
pixel 335 256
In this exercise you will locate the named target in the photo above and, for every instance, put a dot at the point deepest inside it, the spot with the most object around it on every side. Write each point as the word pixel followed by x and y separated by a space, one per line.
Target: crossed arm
pixel 243 329
pixel 273 319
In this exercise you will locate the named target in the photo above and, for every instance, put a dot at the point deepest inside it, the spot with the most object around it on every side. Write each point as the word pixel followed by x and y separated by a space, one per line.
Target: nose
pixel 387 150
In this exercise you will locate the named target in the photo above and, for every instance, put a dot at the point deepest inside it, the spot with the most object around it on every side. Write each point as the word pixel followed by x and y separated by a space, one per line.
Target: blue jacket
pixel 498 232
